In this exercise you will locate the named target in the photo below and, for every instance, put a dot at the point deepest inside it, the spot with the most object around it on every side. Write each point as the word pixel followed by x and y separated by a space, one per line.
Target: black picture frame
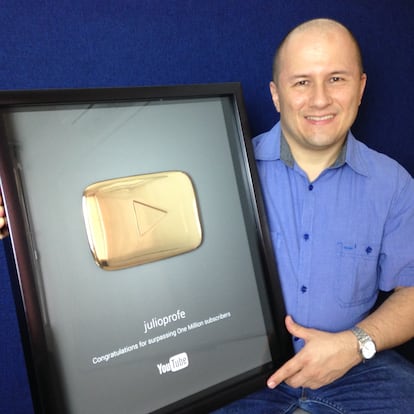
pixel 232 278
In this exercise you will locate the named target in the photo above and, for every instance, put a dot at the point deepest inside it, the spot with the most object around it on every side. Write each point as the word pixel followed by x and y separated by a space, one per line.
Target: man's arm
pixel 3 222
pixel 328 356
pixel 2 218
pixel 392 323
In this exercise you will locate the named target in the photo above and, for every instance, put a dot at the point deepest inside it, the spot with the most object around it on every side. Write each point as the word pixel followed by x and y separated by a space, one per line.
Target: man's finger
pixel 287 370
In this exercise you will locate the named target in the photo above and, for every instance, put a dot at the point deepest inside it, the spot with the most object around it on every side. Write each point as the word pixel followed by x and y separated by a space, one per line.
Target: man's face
pixel 318 89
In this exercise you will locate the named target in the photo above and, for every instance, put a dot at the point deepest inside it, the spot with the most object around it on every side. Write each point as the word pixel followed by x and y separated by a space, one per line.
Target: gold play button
pixel 141 219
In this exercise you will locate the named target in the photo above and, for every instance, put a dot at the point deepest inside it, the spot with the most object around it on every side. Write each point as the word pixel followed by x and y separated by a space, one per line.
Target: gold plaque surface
pixel 141 219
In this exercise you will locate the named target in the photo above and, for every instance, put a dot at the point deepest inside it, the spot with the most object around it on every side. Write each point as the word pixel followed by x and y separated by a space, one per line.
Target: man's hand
pixel 3 221
pixel 324 358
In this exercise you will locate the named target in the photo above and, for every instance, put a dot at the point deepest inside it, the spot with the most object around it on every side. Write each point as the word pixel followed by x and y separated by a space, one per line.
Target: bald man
pixel 341 218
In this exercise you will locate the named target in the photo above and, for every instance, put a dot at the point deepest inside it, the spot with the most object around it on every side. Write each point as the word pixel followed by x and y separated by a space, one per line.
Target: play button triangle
pixel 147 216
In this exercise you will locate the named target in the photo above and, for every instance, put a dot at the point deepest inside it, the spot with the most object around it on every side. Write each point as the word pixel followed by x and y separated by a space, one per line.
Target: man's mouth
pixel 319 118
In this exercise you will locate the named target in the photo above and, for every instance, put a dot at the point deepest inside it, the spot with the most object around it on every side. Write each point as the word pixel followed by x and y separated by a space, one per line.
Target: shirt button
pixel 303 289
pixel 310 187
pixel 306 236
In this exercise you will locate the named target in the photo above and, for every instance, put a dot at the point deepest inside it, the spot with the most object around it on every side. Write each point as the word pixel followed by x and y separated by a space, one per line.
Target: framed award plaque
pixel 143 269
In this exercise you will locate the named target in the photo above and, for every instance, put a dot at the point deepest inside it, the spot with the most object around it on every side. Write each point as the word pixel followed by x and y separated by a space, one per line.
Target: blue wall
pixel 103 43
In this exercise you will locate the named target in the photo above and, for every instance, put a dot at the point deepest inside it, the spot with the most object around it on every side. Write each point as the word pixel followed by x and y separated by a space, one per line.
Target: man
pixel 341 218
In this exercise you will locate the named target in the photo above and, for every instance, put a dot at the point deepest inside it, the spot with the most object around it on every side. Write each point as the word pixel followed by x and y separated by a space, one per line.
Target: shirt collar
pixel 285 152
pixel 273 146
pixel 354 157
pixel 287 157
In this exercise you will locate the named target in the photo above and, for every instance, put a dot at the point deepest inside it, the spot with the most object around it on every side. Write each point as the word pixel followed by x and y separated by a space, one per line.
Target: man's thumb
pixel 294 328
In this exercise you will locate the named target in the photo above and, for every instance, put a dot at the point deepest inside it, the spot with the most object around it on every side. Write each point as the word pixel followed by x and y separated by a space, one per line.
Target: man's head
pixel 318 85
pixel 322 24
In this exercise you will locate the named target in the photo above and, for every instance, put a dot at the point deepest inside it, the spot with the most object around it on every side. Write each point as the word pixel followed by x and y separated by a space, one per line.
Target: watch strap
pixel 362 338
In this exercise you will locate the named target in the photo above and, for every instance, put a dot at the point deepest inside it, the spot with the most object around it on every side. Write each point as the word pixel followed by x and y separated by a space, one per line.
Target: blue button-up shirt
pixel 341 238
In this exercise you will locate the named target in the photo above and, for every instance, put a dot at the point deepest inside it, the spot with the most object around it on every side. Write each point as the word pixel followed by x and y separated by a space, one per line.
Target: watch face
pixel 368 350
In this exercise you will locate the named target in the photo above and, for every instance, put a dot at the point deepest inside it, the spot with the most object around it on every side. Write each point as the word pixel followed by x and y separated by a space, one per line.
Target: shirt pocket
pixel 357 273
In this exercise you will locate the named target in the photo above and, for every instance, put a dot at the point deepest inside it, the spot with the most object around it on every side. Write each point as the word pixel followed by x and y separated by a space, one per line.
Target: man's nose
pixel 320 95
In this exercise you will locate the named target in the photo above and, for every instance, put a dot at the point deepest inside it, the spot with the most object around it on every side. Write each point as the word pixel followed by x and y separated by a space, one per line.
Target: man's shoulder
pixel 267 145
pixel 272 133
pixel 378 165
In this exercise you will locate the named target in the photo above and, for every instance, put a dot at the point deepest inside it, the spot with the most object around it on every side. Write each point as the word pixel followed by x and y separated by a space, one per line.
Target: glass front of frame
pixel 174 311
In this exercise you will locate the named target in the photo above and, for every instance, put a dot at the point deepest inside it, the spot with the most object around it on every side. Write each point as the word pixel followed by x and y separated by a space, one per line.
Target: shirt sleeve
pixel 396 262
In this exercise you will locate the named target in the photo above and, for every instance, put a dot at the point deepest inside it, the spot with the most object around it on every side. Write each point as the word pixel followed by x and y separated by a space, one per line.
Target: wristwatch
pixel 367 347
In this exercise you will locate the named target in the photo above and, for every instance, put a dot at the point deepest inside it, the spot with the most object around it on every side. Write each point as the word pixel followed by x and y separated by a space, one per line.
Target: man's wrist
pixel 366 345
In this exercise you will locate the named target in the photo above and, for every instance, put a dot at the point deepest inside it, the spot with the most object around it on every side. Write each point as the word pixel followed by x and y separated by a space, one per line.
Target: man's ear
pixel 275 95
pixel 363 84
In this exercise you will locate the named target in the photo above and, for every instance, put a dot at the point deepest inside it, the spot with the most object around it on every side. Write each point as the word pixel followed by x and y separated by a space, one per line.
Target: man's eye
pixel 335 79
pixel 302 83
